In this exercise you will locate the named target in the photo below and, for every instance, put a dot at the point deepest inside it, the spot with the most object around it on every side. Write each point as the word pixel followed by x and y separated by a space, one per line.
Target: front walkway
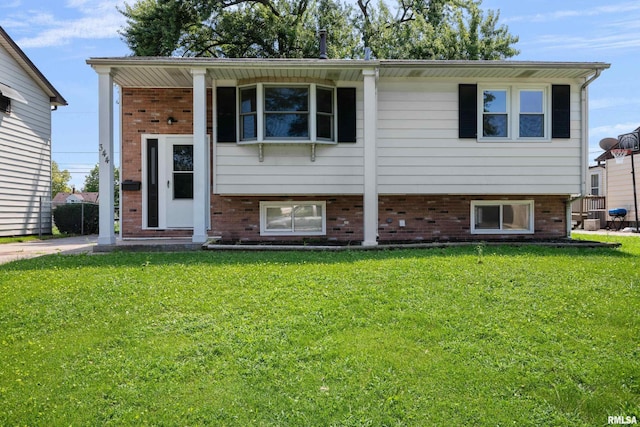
pixel 68 245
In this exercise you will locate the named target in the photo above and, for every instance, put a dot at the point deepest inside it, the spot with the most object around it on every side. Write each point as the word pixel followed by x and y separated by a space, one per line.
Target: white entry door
pixel 178 167
pixel 168 164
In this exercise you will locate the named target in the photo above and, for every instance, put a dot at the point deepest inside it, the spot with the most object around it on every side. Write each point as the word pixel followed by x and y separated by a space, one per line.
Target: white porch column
pixel 107 234
pixel 200 157
pixel 370 159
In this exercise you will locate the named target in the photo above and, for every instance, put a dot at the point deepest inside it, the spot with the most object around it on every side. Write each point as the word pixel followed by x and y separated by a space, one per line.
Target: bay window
pixel 287 113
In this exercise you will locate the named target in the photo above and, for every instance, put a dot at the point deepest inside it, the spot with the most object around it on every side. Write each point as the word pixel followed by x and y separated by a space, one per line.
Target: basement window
pixel 502 217
pixel 292 218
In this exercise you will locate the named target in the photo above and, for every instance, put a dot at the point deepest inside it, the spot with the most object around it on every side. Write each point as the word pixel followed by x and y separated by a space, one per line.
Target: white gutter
pixel 584 146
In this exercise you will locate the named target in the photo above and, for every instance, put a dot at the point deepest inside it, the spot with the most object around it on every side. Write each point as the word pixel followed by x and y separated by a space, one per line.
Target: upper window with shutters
pixel 281 113
pixel 514 112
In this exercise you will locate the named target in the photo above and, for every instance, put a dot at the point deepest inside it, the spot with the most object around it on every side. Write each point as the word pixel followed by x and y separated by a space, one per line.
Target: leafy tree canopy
pixel 59 179
pixel 92 182
pixel 410 29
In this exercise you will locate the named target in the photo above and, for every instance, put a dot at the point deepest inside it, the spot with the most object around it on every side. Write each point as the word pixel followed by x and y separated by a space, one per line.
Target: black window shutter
pixel 467 111
pixel 346 97
pixel 560 111
pixel 226 114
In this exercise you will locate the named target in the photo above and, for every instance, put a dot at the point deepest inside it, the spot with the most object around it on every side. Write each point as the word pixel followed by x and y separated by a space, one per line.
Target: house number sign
pixel 103 152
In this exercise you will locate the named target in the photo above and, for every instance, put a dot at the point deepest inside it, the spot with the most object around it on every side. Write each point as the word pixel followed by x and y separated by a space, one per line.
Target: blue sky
pixel 59 36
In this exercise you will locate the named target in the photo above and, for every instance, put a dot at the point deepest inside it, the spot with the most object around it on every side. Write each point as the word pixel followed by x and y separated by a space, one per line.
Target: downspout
pixel 584 148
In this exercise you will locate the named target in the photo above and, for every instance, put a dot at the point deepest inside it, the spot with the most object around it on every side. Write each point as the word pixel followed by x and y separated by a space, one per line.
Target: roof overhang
pixel 176 71
pixel 16 53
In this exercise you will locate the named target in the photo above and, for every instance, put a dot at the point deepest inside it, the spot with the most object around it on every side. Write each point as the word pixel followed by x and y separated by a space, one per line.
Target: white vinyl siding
pixel 619 187
pixel 288 168
pixel 419 151
pixel 25 155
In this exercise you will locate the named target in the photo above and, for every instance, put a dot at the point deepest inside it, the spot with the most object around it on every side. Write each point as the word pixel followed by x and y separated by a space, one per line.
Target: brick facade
pixel 145 111
pixel 237 218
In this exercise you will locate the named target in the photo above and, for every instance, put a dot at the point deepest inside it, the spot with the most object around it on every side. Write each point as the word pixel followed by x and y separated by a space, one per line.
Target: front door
pixel 169 198
pixel 179 198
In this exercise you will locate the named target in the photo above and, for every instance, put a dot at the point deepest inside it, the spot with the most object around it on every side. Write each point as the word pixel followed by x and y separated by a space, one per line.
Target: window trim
pixel 293 203
pixel 312 113
pixel 501 204
pixel 513 112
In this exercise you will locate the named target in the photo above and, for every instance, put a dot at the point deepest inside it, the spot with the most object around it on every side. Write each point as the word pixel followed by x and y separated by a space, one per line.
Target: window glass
pixel 324 100
pixel 183 157
pixel 279 218
pixel 5 104
pixel 286 112
pixel 248 112
pixel 286 125
pixel 515 217
pixel 495 120
pixel 286 99
pixel 531 123
pixel 595 185
pixel 487 217
pixel 183 171
pixel 308 218
pixel 324 116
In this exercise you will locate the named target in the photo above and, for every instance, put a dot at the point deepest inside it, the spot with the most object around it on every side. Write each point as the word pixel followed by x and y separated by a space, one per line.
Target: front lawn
pixel 468 336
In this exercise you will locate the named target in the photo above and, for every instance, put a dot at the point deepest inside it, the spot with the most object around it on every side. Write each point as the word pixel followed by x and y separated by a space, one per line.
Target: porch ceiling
pixel 176 72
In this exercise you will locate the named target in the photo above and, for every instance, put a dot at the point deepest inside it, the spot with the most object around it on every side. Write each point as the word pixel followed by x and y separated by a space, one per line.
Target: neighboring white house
pixel 63 198
pixel 347 151
pixel 26 101
pixel 619 183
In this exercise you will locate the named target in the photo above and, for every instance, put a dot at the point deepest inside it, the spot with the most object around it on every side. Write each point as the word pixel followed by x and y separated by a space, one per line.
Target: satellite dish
pixel 608 143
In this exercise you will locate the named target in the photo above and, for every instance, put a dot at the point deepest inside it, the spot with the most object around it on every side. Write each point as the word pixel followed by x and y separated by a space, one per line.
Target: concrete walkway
pixel 69 245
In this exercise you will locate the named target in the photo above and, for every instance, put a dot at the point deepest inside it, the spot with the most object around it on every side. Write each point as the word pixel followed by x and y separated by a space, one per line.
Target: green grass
pixel 469 336
pixel 21 239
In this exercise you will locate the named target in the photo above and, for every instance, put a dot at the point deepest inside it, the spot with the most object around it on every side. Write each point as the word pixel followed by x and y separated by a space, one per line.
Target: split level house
pixel 343 151
pixel 26 101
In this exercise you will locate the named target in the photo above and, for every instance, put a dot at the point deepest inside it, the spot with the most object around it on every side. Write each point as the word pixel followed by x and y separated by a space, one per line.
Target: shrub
pixel 67 218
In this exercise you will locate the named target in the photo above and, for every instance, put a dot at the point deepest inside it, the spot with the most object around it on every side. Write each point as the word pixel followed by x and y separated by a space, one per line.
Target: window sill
pixel 311 144
pixel 516 140
pixel 287 142
pixel 496 231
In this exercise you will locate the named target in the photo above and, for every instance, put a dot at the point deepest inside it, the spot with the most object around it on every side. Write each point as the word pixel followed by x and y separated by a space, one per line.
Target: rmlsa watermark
pixel 621 419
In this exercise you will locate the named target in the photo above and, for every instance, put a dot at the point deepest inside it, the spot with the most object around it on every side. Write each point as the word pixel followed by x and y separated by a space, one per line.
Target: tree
pixel 412 29
pixel 59 180
pixel 92 182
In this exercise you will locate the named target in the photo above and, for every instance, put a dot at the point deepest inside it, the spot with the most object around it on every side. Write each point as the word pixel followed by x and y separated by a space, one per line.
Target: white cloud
pixel 564 14
pixel 612 131
pixel 602 103
pixel 10 4
pixel 80 19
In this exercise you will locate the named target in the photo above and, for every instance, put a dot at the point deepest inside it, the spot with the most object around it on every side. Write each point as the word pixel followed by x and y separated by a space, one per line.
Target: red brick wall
pixel 427 218
pixel 145 111
pixel 237 219
pixel 433 218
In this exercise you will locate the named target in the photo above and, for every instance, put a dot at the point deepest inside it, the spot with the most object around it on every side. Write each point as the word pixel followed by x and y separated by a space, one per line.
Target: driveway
pixel 68 245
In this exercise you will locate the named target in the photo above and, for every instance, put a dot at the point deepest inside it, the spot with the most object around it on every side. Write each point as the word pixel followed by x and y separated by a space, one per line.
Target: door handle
pixel 168 185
